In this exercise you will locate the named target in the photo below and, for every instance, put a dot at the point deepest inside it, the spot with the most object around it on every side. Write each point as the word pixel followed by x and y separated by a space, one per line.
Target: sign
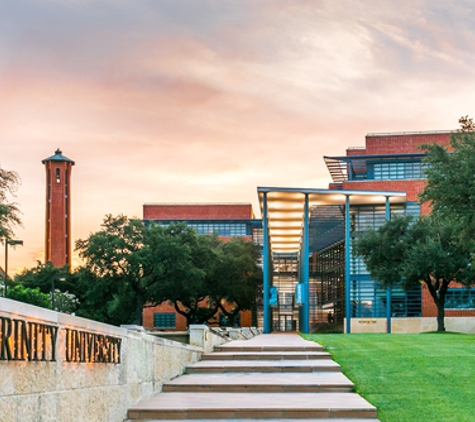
pixel 299 294
pixel 22 340
pixel 274 296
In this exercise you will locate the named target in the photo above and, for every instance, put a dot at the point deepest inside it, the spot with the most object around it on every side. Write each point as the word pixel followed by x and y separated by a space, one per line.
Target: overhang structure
pixel 285 218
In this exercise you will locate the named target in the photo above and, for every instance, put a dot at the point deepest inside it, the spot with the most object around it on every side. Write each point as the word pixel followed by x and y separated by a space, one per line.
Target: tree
pixel 450 187
pixel 9 211
pixel 42 277
pixel 29 295
pixel 407 252
pixel 114 291
pixel 236 277
pixel 46 279
pixel 181 274
pixel 130 266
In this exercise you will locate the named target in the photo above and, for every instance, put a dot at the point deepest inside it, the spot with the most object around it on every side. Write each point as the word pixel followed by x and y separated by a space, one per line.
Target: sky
pixel 205 100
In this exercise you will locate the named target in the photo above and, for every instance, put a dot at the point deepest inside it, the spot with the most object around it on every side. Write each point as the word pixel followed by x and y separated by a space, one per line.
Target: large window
pixel 460 298
pixel 399 170
pixel 164 320
pixel 225 229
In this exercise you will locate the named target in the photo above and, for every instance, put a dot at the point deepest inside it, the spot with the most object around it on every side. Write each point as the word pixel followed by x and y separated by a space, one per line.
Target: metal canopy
pixel 285 209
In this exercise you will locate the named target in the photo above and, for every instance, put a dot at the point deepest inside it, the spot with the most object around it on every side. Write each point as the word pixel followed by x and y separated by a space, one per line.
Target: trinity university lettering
pixel 82 346
pixel 22 340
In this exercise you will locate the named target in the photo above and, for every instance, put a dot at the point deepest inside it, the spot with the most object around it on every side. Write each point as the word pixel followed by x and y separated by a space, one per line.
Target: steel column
pixel 266 267
pixel 388 288
pixel 305 269
pixel 347 265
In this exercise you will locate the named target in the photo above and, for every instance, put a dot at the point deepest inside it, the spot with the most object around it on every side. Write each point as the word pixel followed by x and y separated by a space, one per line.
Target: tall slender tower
pixel 58 209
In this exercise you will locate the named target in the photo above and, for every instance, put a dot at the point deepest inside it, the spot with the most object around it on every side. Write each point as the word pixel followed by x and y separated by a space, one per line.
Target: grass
pixel 409 377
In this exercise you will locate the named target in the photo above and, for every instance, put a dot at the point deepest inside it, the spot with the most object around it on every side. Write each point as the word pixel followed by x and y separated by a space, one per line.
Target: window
pixel 399 170
pixel 460 298
pixel 164 320
pixel 58 176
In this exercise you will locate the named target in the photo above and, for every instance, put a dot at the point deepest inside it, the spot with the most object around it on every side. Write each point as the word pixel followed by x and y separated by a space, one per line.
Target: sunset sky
pixel 204 100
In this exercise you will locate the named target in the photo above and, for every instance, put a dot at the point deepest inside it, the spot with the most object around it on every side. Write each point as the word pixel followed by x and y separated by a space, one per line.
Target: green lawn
pixel 409 377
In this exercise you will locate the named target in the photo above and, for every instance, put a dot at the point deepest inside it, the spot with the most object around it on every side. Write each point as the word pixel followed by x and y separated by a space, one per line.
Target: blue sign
pixel 299 294
pixel 274 296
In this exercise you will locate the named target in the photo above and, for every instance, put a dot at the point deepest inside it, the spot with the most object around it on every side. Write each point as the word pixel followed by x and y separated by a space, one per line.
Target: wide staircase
pixel 275 377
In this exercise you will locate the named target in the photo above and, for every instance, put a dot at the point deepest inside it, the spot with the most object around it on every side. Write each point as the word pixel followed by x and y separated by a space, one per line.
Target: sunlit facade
pixel 309 266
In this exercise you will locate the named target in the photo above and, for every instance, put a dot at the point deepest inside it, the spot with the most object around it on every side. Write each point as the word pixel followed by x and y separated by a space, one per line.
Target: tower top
pixel 58 156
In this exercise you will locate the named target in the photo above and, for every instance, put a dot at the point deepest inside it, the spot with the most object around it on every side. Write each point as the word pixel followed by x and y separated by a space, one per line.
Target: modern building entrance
pixel 310 276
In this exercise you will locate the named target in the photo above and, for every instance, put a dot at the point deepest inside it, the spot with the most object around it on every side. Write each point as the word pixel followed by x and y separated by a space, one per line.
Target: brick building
pixel 226 220
pixel 370 184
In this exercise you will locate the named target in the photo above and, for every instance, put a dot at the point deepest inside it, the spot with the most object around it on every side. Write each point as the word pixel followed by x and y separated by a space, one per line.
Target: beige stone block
pixel 28 409
pixel 8 408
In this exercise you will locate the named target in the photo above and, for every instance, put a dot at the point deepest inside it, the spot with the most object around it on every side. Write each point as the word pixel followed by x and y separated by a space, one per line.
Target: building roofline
pixel 173 204
pixel 428 132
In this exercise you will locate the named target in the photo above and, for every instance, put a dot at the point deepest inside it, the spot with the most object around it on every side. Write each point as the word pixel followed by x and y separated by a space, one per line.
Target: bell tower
pixel 58 209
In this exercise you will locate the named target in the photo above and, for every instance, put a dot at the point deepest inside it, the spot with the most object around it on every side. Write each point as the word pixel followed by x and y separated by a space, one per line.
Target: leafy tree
pixel 9 211
pixel 181 271
pixel 407 252
pixel 450 187
pixel 114 291
pixel 236 277
pixel 29 295
pixel 45 276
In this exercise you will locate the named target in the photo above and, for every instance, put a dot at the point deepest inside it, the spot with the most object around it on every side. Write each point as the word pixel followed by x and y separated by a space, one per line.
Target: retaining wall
pixel 56 367
pixel 412 325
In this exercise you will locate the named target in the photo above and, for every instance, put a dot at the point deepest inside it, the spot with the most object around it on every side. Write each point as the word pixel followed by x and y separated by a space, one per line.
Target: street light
pixel 9 242
pixel 59 278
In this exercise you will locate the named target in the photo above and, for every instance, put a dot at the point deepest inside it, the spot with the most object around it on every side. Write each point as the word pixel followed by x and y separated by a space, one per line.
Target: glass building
pixel 312 279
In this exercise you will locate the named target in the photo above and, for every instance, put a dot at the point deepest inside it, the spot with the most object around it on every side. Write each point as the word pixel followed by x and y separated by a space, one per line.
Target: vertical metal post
pixel 347 265
pixel 305 268
pixel 5 292
pixel 266 267
pixel 52 292
pixel 388 288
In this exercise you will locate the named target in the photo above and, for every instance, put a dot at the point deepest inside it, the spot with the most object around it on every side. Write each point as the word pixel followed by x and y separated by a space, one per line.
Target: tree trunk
pixel 440 317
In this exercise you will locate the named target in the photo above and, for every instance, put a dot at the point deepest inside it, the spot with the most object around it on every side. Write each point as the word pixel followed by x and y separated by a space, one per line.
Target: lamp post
pixel 9 242
pixel 59 278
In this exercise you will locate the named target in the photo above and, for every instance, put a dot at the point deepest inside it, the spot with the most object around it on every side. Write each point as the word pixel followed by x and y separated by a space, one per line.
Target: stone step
pixel 253 405
pixel 316 382
pixel 262 420
pixel 218 366
pixel 279 355
pixel 268 348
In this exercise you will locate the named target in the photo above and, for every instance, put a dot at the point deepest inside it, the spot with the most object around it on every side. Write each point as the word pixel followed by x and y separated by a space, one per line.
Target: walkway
pixel 276 377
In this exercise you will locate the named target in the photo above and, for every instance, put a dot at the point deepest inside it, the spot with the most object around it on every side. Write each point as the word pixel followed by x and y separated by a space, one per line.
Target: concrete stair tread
pixel 274 342
pixel 264 366
pixel 261 382
pixel 267 348
pixel 258 405
pixel 270 420
pixel 268 355
pixel 252 378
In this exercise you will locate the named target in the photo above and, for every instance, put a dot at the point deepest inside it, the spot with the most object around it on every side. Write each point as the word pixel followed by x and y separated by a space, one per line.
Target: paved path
pixel 271 377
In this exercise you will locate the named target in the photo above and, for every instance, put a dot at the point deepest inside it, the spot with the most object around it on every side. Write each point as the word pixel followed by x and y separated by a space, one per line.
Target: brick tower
pixel 58 209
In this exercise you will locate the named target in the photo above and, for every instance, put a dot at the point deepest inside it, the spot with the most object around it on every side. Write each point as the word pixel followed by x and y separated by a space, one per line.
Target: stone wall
pixel 55 389
pixel 412 325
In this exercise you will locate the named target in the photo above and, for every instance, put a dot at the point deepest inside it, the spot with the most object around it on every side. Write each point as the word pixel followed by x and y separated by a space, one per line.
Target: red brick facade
pixel 58 209
pixel 180 212
pixel 402 143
